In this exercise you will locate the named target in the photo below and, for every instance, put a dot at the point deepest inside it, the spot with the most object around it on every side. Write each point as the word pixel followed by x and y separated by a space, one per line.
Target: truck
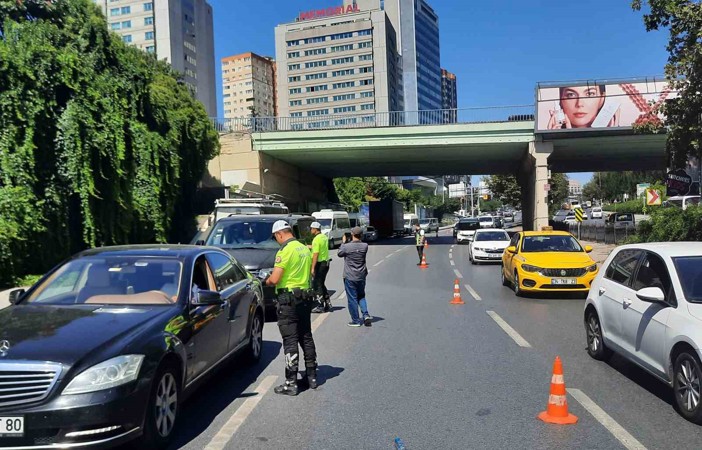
pixel 387 217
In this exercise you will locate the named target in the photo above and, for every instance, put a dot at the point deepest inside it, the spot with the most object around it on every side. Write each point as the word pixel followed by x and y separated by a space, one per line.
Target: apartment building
pixel 248 86
pixel 449 96
pixel 178 31
pixel 337 67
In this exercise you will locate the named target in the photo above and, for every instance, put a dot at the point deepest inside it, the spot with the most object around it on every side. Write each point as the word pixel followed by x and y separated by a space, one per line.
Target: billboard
pixel 595 105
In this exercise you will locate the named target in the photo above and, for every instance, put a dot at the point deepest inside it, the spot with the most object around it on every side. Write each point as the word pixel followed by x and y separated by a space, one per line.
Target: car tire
pixel 160 422
pixel 505 281
pixel 516 286
pixel 255 347
pixel 596 347
pixel 687 376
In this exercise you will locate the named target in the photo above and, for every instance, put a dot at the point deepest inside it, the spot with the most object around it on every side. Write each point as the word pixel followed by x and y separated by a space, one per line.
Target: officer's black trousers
pixel 320 277
pixel 295 326
pixel 420 252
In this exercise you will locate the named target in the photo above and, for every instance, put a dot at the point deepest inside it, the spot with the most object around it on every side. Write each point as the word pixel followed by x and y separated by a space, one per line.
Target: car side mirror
pixel 15 296
pixel 651 295
pixel 512 249
pixel 206 298
pixel 199 242
pixel 588 249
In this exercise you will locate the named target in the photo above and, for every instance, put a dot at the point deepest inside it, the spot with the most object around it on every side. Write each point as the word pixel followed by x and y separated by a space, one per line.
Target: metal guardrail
pixel 604 233
pixel 493 114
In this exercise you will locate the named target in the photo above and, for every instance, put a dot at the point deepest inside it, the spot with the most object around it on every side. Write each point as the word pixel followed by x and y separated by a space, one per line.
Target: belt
pixel 294 296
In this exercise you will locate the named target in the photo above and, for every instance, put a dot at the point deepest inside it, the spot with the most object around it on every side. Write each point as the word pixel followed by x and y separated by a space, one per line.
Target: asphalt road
pixel 437 375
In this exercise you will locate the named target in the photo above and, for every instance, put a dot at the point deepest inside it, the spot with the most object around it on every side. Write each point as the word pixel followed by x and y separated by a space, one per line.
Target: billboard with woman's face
pixel 595 105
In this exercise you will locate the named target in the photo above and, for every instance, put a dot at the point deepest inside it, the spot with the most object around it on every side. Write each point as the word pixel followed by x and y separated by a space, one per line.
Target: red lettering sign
pixel 329 12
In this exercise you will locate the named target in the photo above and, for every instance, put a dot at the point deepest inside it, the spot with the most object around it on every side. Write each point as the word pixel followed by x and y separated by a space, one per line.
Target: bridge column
pixel 532 177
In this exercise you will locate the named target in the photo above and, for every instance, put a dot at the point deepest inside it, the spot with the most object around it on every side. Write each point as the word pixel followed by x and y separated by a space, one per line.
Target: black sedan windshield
pixel 120 280
pixel 690 274
pixel 464 226
pixel 244 233
pixel 557 243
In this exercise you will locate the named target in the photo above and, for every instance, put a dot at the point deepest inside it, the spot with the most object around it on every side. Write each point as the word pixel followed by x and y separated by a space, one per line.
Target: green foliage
pixel 683 19
pixel 354 191
pixel 671 224
pixel 100 144
pixel 632 206
pixel 560 190
pixel 506 188
pixel 611 186
pixel 490 205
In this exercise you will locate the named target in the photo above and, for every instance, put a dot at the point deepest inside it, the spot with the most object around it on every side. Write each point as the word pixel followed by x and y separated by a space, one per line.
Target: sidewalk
pixel 4 295
pixel 600 252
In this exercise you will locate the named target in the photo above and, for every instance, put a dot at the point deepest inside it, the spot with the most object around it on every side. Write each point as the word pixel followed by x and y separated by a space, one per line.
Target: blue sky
pixel 499 49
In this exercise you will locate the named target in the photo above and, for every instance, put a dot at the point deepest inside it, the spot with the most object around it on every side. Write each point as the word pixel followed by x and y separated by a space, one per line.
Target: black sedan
pixel 103 349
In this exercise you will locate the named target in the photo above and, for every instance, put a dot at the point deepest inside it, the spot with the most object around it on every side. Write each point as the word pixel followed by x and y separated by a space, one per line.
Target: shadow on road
pixel 642 378
pixel 324 374
pixel 216 393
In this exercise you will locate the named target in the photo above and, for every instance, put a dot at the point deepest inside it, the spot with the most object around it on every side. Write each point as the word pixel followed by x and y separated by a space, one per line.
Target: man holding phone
pixel 355 273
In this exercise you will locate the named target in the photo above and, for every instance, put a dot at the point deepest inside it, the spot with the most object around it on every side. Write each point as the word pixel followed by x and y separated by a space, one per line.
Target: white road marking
pixel 452 263
pixel 458 274
pixel 606 420
pixel 318 321
pixel 378 263
pixel 511 332
pixel 224 435
pixel 472 292
pixel 341 296
pixel 453 246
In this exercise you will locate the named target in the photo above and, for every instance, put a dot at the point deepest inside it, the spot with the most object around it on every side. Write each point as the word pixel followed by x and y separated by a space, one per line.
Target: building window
pixel 316 76
pixel 126 10
pixel 149 36
pixel 296 114
pixel 365 32
pixel 295 91
pixel 365 58
pixel 365 70
pixel 313 64
pixel 318 112
pixel 313 101
pixel 367 94
pixel 347 121
pixel 293 54
pixel 114 26
pixel 293 43
pixel 342 48
pixel 341 98
pixel 337 61
pixel 293 67
pixel 114 12
pixel 344 85
pixel 344 109
pixel 341 73
pixel 322 87
pixel 126 24
pixel 127 38
pixel 366 82
pixel 367 106
pixel 367 118
pixel 150 48
pixel 148 6
pixel 316 51
pixel 336 37
pixel 315 40
pixel 296 103
pixel 148 20
pixel 365 44
pixel 293 79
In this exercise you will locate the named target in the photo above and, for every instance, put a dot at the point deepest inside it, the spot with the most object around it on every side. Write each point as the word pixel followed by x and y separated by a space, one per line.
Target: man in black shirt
pixel 355 273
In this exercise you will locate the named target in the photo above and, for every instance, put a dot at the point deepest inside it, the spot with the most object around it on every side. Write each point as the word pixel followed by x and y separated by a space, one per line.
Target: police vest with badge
pixel 296 261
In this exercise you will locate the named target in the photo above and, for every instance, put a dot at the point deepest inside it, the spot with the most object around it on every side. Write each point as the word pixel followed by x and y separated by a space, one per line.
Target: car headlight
pixel 530 268
pixel 111 373
pixel 478 249
pixel 592 268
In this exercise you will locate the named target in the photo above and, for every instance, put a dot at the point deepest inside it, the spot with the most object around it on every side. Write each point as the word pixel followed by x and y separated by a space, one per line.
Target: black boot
pixel 287 388
pixel 327 304
pixel 312 377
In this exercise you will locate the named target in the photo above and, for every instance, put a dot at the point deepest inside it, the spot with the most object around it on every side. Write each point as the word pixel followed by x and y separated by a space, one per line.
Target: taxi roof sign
pixel 547 228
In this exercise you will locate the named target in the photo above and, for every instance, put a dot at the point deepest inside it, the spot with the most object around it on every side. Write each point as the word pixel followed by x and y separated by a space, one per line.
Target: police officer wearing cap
pixel 291 278
pixel 320 267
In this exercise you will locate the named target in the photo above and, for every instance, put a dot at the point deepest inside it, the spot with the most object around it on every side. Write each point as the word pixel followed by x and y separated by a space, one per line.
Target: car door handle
pixel 626 303
pixel 602 291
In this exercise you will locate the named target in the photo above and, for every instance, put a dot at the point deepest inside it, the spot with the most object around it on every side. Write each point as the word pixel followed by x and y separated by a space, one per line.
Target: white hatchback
pixel 646 305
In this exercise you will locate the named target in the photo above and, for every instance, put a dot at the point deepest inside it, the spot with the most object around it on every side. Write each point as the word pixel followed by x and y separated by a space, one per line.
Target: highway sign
pixel 653 197
pixel 578 214
pixel 678 182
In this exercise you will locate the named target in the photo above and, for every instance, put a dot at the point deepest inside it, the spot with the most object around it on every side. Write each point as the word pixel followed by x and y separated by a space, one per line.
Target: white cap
pixel 316 225
pixel 280 225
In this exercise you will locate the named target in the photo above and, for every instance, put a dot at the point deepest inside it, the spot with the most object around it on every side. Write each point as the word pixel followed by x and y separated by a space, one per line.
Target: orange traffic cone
pixel 457 300
pixel 424 264
pixel 426 243
pixel 557 408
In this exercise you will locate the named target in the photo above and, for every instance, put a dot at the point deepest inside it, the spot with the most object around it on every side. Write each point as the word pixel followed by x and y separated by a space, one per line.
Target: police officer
pixel 291 278
pixel 320 267
pixel 419 242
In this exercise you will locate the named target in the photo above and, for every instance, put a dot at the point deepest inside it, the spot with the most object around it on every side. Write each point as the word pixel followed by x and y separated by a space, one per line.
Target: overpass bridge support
pixel 533 180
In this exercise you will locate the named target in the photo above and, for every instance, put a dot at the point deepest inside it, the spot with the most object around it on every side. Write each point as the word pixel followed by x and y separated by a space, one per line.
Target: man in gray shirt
pixel 355 273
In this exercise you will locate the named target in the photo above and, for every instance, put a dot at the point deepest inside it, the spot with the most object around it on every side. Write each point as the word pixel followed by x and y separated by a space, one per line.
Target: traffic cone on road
pixel 424 264
pixel 426 243
pixel 557 408
pixel 457 300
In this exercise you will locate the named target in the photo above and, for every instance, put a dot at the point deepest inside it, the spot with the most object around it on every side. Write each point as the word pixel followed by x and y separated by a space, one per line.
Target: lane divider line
pixel 511 332
pixel 224 435
pixel 606 420
pixel 458 274
pixel 452 263
pixel 472 292
pixel 378 263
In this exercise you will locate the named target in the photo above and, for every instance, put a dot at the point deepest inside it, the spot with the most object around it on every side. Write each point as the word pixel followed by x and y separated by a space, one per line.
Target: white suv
pixel 646 305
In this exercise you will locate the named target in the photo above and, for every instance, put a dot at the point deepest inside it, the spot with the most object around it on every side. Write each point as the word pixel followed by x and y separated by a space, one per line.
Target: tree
pixel 100 144
pixel 506 188
pixel 613 185
pixel 354 191
pixel 560 190
pixel 683 18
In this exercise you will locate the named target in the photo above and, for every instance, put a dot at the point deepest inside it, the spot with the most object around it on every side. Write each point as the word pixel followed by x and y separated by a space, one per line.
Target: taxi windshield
pixel 556 243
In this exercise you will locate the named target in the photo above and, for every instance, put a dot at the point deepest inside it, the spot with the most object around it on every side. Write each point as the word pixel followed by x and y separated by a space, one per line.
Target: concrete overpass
pixel 507 147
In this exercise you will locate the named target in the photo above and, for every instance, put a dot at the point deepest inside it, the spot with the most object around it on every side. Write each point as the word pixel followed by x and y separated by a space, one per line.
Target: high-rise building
pixel 418 27
pixel 337 67
pixel 248 86
pixel 449 96
pixel 178 31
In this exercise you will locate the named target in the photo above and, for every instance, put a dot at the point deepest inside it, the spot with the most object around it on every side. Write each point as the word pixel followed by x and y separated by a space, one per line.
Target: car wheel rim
pixel 594 334
pixel 688 385
pixel 166 405
pixel 516 283
pixel 256 337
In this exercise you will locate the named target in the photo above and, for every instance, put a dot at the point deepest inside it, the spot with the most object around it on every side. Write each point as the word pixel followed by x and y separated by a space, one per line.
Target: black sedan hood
pixel 254 258
pixel 67 334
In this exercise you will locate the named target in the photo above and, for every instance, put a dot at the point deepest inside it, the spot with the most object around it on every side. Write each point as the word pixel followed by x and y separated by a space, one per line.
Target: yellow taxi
pixel 547 261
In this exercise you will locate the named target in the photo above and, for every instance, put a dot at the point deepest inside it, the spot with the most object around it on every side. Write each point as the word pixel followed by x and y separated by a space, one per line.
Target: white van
pixel 410 221
pixel 334 224
pixel 683 201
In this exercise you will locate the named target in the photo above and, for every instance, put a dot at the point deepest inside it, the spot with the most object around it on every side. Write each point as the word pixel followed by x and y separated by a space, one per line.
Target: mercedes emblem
pixel 4 347
pixel 563 273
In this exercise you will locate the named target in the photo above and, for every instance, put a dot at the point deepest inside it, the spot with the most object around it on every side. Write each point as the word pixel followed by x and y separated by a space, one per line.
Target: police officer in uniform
pixel 320 267
pixel 291 278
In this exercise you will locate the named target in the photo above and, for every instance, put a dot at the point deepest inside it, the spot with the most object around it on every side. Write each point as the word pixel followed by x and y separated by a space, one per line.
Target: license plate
pixel 11 426
pixel 564 281
pixel 494 255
